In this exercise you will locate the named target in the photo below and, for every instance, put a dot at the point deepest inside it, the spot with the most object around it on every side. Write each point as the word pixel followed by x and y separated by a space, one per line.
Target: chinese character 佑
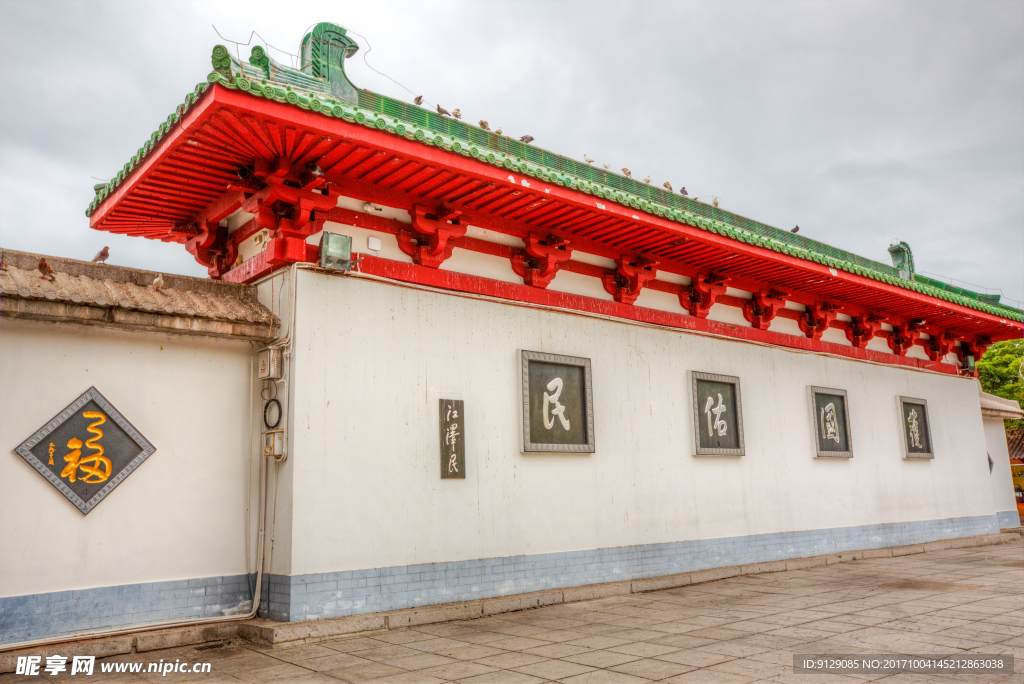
pixel 719 423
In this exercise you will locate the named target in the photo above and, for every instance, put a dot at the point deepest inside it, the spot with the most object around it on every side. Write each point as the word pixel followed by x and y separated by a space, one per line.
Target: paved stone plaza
pixel 732 631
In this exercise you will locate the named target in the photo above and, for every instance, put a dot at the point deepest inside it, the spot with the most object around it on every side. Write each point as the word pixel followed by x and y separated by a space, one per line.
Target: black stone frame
pixel 698 450
pixel 819 453
pixel 907 453
pixel 92 394
pixel 588 389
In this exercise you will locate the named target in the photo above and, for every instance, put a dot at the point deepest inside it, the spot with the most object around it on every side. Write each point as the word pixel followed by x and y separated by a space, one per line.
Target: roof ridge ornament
pixel 323 54
pixel 902 259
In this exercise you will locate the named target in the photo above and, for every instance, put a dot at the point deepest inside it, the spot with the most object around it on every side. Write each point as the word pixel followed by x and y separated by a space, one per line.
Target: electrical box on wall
pixel 335 252
pixel 270 364
pixel 273 443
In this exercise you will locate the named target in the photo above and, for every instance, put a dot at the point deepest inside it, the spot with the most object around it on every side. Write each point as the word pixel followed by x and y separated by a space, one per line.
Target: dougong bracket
pixel 700 296
pixel 861 329
pixel 543 259
pixel 817 319
pixel 429 242
pixel 626 282
pixel 764 306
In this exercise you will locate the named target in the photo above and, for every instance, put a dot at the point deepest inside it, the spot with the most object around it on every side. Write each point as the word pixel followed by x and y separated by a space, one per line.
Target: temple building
pixel 435 366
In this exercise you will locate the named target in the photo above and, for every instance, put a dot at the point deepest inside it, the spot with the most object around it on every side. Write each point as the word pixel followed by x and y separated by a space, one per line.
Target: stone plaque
pixel 717 414
pixel 558 404
pixel 453 439
pixel 86 450
pixel 831 419
pixel 917 429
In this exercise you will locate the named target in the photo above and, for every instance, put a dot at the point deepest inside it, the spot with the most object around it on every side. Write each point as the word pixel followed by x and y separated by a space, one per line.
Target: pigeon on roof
pixel 526 139
pixel 795 229
pixel 647 179
pixel 158 282
pixel 497 130
pixel 483 125
pixel 606 165
pixel 587 159
pixel 442 111
pixel 667 186
pixel 44 268
pixel 682 191
pixel 457 113
pixel 629 174
pixel 418 100
pixel 101 256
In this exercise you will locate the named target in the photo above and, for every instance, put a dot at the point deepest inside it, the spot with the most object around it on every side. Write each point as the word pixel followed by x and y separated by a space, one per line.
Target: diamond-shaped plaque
pixel 86 450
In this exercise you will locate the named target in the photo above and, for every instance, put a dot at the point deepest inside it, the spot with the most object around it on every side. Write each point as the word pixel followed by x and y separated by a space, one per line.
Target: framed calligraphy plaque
pixel 452 421
pixel 86 450
pixel 917 428
pixel 558 403
pixel 830 416
pixel 717 415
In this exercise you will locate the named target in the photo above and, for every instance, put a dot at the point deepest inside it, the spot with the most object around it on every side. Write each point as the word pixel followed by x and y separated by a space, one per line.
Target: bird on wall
pixel 606 166
pixel 370 206
pixel 629 174
pixel 647 179
pixel 457 113
pixel 794 229
pixel 442 111
pixel 483 125
pixel 497 131
pixel 714 201
pixel 101 256
pixel 667 186
pixel 526 139
pixel 44 268
pixel 417 100
pixel 587 159
pixel 158 282
pixel 682 191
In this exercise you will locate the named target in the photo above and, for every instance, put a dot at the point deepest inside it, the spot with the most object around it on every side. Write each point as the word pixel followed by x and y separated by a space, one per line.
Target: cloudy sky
pixel 860 121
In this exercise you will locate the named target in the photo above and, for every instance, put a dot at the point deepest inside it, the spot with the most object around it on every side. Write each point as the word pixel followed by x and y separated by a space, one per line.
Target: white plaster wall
pixel 1002 479
pixel 372 359
pixel 181 514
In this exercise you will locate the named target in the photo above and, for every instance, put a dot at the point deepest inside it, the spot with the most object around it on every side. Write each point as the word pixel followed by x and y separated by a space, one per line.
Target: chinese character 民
pixel 829 423
pixel 719 423
pixel 452 467
pixel 95 467
pixel 554 386
pixel 915 430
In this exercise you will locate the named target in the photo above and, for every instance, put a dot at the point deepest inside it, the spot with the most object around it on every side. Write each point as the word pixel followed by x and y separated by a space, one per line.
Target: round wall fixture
pixel 272 414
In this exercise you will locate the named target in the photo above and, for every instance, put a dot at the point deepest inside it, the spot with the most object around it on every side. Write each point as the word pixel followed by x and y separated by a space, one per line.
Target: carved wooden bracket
pixel 938 347
pixel 544 257
pixel 861 329
pixel 817 319
pixel 976 348
pixel 702 293
pixel 429 241
pixel 765 306
pixel 626 282
pixel 902 338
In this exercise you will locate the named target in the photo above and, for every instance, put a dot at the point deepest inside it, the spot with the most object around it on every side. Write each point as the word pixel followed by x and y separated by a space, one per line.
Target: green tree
pixel 999 371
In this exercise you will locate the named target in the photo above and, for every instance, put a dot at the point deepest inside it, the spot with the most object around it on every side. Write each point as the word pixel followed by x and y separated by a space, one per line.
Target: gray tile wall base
pixel 63 613
pixel 1008 519
pixel 353 592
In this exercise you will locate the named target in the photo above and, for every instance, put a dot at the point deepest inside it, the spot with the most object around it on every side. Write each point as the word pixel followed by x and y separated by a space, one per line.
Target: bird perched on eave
pixel 714 201
pixel 483 125
pixel 370 206
pixel 45 270
pixel 606 166
pixel 647 179
pixel 442 111
pixel 457 113
pixel 418 100
pixel 627 172
pixel 587 159
pixel 683 191
pixel 667 186
pixel 158 282
pixel 497 131
pixel 795 229
pixel 526 139
pixel 101 256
